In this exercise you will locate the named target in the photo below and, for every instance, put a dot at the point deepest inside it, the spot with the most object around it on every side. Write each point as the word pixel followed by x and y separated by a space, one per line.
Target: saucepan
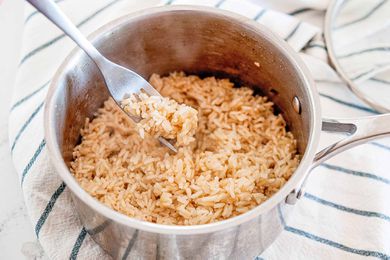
pixel 202 41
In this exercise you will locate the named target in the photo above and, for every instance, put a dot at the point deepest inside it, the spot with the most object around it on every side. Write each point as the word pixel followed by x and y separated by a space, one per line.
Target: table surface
pixel 17 238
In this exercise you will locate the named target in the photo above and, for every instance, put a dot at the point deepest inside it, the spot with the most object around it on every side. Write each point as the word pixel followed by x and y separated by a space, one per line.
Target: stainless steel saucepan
pixel 202 41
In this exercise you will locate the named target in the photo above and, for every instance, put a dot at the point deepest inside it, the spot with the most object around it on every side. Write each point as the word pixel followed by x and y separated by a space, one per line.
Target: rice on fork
pixel 161 116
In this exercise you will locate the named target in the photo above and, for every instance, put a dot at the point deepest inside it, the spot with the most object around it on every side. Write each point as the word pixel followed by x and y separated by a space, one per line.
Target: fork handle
pixel 51 10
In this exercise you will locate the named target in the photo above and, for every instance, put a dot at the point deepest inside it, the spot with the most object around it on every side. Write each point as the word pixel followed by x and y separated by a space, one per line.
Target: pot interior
pixel 184 40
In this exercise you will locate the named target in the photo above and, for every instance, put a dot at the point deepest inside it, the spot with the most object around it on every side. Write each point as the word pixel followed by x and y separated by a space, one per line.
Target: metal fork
pixel 120 81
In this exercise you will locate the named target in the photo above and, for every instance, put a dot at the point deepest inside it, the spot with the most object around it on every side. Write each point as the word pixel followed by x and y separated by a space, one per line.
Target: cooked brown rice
pixel 162 116
pixel 242 155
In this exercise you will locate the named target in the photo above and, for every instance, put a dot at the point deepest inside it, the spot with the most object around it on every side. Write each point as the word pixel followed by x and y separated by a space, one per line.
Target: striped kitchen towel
pixel 365 56
pixel 345 212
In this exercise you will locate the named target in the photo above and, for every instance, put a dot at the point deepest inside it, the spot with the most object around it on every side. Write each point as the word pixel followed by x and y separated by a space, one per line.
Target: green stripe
pixel 328 242
pixel 130 245
pixel 376 49
pixel 33 159
pixel 51 42
pixel 36 111
pixel 336 244
pixel 345 103
pixel 359 212
pixel 36 12
pixel 380 80
pixel 315 45
pixel 368 14
pixel 356 173
pixel 291 34
pixel 299 11
pixel 78 243
pixel 99 228
pixel 22 100
pixel 381 145
pixel 376 67
pixel 259 14
pixel 48 208
pixel 219 3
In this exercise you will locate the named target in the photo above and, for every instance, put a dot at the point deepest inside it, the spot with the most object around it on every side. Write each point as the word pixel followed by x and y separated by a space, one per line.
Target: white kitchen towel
pixel 345 212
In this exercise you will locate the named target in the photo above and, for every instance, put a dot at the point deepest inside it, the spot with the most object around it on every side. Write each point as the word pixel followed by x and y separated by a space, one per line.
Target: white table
pixel 17 238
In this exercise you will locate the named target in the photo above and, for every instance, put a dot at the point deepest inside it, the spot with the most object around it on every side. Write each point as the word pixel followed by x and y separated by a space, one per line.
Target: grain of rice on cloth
pixel 242 155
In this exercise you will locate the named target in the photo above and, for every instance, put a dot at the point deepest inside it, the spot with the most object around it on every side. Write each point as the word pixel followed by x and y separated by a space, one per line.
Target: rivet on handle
pixel 292 198
pixel 296 104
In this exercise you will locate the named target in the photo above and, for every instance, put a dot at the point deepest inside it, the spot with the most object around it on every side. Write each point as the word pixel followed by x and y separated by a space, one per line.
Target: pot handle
pixel 359 131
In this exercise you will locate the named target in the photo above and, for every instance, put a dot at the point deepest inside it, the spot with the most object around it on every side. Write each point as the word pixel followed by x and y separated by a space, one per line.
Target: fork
pixel 119 80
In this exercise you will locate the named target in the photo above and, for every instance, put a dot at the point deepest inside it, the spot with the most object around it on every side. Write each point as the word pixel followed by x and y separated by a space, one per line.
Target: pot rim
pixel 279 197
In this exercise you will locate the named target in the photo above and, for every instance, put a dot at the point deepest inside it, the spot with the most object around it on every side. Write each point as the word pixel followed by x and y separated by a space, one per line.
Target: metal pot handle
pixel 359 131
